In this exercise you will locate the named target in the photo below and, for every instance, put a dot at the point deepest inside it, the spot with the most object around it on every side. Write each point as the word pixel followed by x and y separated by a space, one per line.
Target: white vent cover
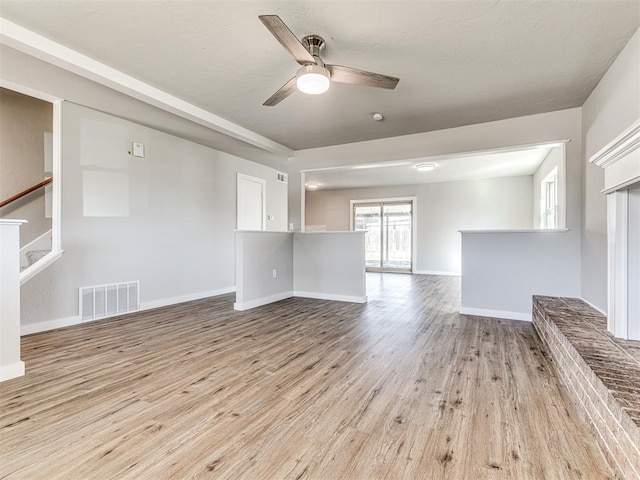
pixel 102 301
pixel 281 177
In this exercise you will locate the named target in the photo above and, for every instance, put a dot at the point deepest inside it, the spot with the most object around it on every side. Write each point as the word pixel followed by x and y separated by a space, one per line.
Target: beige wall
pixel 442 210
pixel 23 122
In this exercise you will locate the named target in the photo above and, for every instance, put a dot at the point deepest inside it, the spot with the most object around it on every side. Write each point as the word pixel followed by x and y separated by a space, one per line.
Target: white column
pixel 10 364
pixel 623 232
pixel 633 267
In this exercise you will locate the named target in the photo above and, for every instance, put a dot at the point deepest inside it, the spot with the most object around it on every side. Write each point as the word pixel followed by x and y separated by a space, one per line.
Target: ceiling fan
pixel 314 76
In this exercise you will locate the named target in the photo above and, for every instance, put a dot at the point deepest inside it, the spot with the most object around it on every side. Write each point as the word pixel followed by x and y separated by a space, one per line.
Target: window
pixel 549 200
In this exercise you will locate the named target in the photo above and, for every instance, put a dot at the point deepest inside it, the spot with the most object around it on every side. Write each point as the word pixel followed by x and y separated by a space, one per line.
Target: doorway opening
pixel 389 237
pixel 31 189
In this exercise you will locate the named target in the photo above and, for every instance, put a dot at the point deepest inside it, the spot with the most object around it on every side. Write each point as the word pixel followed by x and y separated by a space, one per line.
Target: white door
pixel 251 203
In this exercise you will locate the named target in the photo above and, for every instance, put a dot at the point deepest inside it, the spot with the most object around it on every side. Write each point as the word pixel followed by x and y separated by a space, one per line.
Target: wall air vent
pixel 103 301
pixel 281 177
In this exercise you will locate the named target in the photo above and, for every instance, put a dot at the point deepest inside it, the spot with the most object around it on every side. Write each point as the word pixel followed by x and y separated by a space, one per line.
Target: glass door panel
pixel 369 218
pixel 388 241
pixel 396 244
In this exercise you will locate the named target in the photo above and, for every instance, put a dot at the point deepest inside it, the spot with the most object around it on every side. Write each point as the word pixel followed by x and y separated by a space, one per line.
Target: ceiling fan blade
pixel 288 40
pixel 286 90
pixel 360 77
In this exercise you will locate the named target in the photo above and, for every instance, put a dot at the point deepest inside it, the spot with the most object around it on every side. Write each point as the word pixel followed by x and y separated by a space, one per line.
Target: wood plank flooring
pixel 400 388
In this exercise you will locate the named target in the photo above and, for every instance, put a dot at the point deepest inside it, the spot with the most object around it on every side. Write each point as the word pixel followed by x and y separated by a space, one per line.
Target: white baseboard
pixel 30 328
pixel 165 302
pixel 330 296
pixel 593 306
pixel 241 306
pixel 16 369
pixel 436 272
pixel 481 312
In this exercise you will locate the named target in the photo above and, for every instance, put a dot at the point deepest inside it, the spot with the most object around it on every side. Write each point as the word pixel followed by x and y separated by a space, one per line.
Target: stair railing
pixel 26 191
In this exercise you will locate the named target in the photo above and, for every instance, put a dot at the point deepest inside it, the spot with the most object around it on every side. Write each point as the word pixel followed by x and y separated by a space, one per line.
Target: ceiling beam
pixel 31 43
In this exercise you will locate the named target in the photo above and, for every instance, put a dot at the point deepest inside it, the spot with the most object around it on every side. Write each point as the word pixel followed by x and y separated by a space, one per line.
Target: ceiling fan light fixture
pixel 425 167
pixel 313 79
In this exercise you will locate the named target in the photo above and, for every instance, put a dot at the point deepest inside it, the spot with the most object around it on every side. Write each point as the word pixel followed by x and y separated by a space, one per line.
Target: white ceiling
pixel 449 169
pixel 458 62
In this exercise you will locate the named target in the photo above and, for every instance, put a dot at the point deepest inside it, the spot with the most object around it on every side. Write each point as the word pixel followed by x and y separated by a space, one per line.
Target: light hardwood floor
pixel 401 388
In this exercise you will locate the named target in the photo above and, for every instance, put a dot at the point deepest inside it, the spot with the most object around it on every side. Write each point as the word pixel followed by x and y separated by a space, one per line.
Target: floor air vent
pixel 103 301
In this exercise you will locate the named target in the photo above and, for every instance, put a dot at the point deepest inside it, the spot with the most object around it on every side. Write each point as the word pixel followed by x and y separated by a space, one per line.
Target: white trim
pixel 303 202
pixel 436 272
pixel 56 185
pixel 24 40
pixel 258 302
pixel 618 254
pixel 621 186
pixel 30 328
pixel 331 296
pixel 530 230
pixel 30 272
pixel 28 246
pixel 261 231
pixel 481 312
pixel 619 147
pixel 27 90
pixel 330 232
pixel 7 372
pixel 12 221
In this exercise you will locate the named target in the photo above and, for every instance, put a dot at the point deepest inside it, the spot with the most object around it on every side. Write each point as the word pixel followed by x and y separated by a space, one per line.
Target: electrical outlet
pixel 275 273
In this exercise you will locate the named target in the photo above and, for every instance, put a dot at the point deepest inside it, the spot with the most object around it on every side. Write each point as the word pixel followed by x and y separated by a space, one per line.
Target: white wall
pixel 555 159
pixel 502 270
pixel 330 265
pixel 258 255
pixel 321 265
pixel 533 129
pixel 31 72
pixel 176 233
pixel 611 108
pixel 442 210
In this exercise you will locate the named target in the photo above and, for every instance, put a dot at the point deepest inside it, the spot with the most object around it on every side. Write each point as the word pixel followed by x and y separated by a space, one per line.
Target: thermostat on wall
pixel 138 149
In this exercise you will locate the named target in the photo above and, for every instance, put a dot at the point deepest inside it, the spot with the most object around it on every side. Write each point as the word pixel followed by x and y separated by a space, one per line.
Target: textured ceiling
pixel 458 62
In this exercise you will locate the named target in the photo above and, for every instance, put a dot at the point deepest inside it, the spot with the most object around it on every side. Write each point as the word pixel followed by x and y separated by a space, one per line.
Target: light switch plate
pixel 138 149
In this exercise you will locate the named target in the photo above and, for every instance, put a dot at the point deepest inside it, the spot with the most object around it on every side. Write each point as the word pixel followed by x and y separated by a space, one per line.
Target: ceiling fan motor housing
pixel 315 44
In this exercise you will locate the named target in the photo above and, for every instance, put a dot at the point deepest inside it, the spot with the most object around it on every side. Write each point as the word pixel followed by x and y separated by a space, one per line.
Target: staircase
pixel 35 251
pixel 33 256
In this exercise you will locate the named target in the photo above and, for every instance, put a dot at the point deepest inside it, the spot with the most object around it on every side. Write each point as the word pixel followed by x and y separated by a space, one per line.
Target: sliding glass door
pixel 388 241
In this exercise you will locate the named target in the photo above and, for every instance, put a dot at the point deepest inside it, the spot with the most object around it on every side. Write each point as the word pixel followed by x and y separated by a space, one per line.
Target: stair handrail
pixel 27 191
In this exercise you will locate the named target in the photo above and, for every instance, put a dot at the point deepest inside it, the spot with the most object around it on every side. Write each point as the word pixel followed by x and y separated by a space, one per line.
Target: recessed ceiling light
pixel 378 117
pixel 425 167
pixel 312 185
